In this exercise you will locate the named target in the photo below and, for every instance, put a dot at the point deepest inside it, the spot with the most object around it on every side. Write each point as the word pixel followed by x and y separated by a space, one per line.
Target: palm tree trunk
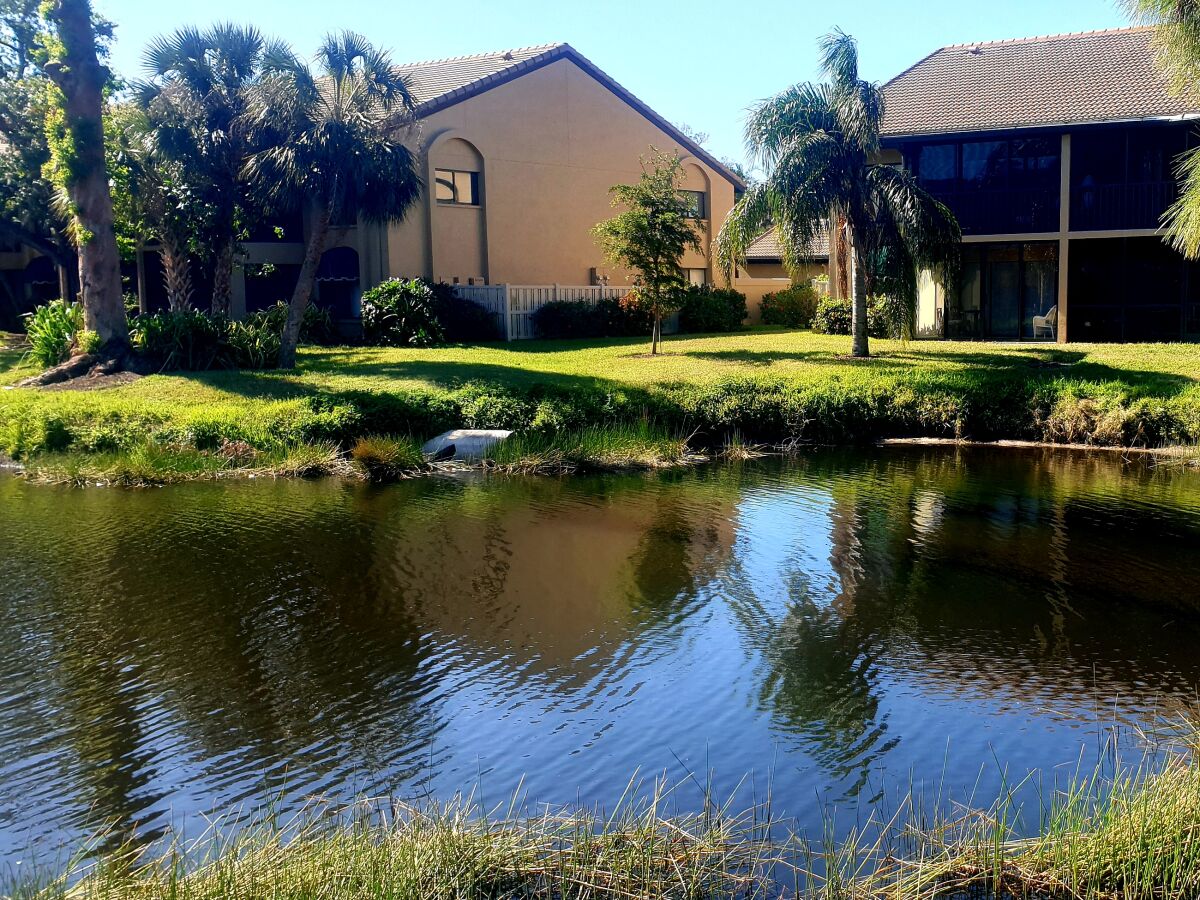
pixel 304 286
pixel 859 347
pixel 79 76
pixel 140 257
pixel 177 273
pixel 222 293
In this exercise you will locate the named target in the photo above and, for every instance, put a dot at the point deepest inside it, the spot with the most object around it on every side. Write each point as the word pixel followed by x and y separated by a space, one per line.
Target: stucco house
pixel 1057 156
pixel 519 149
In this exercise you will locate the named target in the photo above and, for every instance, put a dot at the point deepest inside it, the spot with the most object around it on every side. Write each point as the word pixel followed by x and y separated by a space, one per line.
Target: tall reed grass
pixel 1134 835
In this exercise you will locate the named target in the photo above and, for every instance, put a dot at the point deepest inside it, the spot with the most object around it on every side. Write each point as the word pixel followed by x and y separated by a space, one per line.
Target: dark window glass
pixel 1034 163
pixel 457 187
pixel 937 166
pixel 985 164
pixel 697 203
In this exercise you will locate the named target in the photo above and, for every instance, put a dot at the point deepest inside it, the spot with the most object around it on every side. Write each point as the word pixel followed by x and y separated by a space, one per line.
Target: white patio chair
pixel 1047 323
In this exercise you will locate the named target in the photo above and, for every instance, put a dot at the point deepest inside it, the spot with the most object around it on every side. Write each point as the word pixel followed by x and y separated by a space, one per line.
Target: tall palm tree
pixel 1178 45
pixel 210 75
pixel 343 152
pixel 818 144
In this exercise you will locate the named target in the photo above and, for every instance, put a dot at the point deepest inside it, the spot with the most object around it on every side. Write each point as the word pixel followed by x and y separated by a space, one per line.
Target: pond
pixel 828 628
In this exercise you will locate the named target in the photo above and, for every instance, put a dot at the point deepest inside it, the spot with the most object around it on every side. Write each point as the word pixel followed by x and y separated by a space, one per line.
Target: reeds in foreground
pixel 1132 837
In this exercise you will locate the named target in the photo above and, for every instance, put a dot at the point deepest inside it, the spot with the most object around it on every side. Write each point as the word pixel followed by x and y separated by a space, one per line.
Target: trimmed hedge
pixel 707 309
pixel 793 307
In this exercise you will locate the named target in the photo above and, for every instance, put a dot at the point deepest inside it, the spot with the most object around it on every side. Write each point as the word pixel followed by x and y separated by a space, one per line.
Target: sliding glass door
pixel 1004 286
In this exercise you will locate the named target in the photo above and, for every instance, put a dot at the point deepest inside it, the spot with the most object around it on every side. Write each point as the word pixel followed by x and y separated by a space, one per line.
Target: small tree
pixel 651 235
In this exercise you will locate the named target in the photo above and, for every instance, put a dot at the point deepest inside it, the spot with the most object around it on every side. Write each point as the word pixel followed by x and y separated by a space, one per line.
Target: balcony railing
pixel 1108 206
pixel 1017 211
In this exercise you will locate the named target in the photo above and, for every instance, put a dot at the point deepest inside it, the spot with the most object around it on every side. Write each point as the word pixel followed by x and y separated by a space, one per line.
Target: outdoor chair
pixel 1047 323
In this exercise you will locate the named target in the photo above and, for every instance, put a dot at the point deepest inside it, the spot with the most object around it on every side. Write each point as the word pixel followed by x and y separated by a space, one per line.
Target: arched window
pixel 338 282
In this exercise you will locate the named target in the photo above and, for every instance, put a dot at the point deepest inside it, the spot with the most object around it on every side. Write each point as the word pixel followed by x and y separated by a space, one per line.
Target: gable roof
pixel 767 248
pixel 1062 79
pixel 440 83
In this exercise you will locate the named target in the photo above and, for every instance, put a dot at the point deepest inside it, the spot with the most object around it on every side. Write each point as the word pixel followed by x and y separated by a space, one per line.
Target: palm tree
pixel 1178 45
pixel 818 144
pixel 343 151
pixel 209 76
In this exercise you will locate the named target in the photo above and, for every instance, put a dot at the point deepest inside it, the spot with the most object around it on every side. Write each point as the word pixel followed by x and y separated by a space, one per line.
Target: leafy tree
pixel 76 129
pixel 343 150
pixel 1178 44
pixel 652 234
pixel 27 212
pixel 817 144
pixel 199 98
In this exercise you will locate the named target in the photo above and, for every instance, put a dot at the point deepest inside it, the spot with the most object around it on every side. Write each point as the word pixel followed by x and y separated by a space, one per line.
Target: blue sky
pixel 699 62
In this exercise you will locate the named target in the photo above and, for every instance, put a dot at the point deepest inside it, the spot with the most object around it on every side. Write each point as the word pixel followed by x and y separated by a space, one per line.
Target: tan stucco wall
pixel 550 144
pixel 758 279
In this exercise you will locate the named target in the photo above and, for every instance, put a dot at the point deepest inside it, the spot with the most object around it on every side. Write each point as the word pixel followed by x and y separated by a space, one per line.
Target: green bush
pixel 190 340
pixel 793 307
pixel 463 321
pixel 315 328
pixel 885 316
pixel 253 344
pixel 399 313
pixel 576 319
pixel 711 309
pixel 51 330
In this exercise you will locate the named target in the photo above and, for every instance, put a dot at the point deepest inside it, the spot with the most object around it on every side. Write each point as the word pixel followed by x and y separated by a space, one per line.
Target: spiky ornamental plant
pixel 819 146
pixel 342 150
pixel 1177 42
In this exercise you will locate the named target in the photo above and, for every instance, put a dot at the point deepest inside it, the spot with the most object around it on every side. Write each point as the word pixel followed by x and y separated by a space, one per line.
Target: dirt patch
pixel 93 382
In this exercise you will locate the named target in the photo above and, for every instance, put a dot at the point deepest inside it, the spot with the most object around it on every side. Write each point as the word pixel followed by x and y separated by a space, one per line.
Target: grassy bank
pixel 1137 839
pixel 761 386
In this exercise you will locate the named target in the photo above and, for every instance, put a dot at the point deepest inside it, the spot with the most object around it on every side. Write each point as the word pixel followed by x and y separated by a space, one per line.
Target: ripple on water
pixel 827 625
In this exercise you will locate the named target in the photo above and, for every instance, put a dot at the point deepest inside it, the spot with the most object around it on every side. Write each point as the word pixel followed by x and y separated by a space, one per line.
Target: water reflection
pixel 835 619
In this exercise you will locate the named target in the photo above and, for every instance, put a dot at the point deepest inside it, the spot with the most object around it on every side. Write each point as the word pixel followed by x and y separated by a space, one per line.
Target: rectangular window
pixel 461 188
pixel 937 166
pixel 697 277
pixel 697 204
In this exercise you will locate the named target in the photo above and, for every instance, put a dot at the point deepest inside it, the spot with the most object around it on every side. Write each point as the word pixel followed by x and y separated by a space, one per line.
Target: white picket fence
pixel 513 305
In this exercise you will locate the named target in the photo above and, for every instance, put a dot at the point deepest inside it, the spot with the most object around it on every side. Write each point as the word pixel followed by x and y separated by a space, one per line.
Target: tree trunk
pixel 654 332
pixel 64 283
pixel 222 293
pixel 177 274
pixel 140 257
pixel 304 286
pixel 79 76
pixel 858 328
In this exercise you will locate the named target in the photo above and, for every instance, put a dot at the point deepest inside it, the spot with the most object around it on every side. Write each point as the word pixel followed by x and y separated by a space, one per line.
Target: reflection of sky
pixel 390 665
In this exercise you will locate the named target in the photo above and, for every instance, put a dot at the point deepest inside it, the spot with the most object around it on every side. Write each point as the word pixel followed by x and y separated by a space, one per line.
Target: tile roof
pixel 439 83
pixel 1091 76
pixel 435 81
pixel 767 247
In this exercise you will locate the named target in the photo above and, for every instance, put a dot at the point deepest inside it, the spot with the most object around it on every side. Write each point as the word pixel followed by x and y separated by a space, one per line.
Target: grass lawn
pixel 763 385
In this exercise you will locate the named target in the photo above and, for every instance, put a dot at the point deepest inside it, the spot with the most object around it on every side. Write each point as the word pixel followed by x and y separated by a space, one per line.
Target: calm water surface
pixel 831 626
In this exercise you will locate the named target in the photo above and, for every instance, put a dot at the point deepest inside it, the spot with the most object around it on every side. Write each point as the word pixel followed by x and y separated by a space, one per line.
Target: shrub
pixel 400 313
pixel 710 309
pixel 793 307
pixel 253 344
pixel 606 318
pixel 567 319
pixel 88 341
pixel 464 321
pixel 885 316
pixel 51 329
pixel 189 340
pixel 315 328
